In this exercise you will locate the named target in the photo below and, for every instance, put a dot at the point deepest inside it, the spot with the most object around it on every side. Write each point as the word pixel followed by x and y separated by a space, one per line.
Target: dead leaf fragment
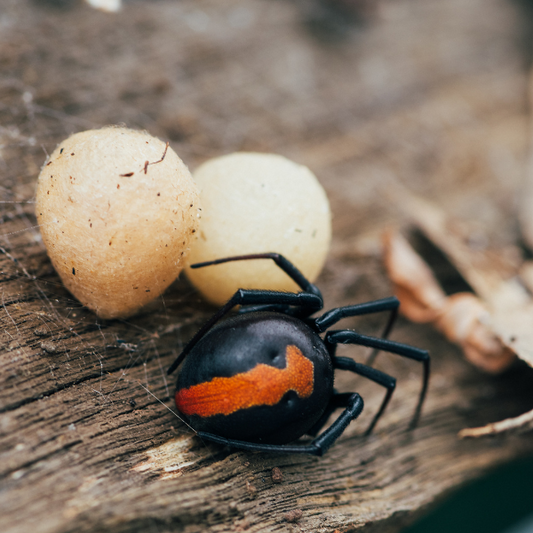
pixel 462 317
pixel 494 324
pixel 415 285
pixel 466 321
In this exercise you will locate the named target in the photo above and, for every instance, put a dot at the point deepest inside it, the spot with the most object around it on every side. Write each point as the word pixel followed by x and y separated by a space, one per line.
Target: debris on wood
pixel 492 324
pixel 41 331
pixel 251 489
pixel 277 475
pixel 49 347
pixel 293 516
pixel 522 421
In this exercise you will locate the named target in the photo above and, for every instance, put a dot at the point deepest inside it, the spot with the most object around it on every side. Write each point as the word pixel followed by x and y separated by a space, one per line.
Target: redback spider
pixel 264 377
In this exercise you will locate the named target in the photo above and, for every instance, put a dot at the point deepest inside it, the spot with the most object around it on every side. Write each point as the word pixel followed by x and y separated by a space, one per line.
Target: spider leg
pixel 297 312
pixel 338 399
pixel 353 404
pixel 333 316
pixel 305 300
pixel 351 337
pixel 345 363
pixel 282 263
pixel 260 308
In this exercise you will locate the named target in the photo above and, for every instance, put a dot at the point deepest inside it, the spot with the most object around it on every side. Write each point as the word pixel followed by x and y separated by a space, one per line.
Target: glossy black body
pixel 266 325
pixel 239 344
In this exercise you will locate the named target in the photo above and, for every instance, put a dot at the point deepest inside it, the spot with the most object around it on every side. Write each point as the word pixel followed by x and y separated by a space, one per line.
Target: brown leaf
pixel 462 317
pixel 493 325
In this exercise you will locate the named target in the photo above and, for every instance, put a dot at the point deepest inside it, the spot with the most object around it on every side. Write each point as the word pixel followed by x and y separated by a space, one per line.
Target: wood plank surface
pixel 426 95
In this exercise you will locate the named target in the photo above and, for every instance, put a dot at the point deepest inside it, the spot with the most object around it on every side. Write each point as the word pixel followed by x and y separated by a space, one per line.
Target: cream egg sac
pixel 254 203
pixel 118 211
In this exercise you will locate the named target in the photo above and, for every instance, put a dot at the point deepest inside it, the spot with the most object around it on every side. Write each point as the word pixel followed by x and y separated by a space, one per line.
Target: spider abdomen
pixel 262 377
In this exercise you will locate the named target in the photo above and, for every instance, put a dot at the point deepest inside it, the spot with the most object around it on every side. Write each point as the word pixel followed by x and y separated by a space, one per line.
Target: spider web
pixel 51 88
pixel 122 361
pixel 41 321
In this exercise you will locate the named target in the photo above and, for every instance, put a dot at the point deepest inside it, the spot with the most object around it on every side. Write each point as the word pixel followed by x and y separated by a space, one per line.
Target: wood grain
pixel 428 94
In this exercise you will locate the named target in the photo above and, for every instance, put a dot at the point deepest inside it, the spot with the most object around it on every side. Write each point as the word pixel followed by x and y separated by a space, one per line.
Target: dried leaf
pixel 462 317
pixel 415 285
pixel 492 325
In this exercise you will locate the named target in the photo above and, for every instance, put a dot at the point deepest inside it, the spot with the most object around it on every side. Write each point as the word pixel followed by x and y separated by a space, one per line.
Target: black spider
pixel 264 377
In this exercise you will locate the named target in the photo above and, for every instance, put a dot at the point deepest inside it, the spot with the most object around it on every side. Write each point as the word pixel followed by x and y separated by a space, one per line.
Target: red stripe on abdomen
pixel 262 385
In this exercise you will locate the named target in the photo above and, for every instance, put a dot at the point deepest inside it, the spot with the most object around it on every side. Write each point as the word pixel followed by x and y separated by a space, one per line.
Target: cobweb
pixel 46 332
pixel 208 81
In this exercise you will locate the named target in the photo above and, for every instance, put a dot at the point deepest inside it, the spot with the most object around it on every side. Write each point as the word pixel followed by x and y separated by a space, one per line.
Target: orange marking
pixel 262 385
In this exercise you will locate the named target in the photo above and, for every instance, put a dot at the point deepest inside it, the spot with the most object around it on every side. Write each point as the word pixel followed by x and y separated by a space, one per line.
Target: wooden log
pixel 87 438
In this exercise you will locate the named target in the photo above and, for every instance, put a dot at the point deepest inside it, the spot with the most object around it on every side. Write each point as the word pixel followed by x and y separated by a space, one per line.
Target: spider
pixel 262 378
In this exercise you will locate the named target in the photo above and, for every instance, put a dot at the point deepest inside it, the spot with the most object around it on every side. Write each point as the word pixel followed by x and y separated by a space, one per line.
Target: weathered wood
pixel 428 94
